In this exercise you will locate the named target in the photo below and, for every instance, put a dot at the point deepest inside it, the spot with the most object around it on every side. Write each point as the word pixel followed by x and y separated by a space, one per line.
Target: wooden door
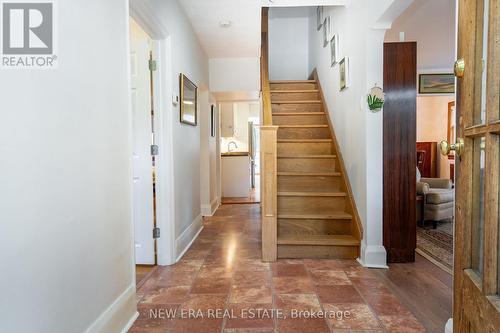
pixel 476 272
pixel 400 163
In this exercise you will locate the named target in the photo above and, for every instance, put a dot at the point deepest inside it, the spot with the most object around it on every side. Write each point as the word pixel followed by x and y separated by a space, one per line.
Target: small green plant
pixel 375 103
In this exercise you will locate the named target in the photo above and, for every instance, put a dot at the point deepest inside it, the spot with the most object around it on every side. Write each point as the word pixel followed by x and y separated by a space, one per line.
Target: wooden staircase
pixel 307 206
pixel 316 215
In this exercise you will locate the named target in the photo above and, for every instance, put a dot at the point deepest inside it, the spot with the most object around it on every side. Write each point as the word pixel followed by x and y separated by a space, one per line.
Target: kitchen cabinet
pixel 227 120
pixel 235 175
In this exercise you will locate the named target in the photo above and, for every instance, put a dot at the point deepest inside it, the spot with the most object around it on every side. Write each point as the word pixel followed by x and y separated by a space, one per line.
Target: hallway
pixel 222 271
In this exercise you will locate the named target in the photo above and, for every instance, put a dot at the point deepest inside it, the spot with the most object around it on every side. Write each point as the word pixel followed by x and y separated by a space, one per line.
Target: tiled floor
pixel 221 285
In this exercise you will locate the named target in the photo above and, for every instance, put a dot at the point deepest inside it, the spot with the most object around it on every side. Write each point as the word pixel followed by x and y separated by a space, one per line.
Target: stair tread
pixel 337 216
pixel 286 114
pixel 303 126
pixel 303 140
pixel 296 102
pixel 292 91
pixel 325 174
pixel 291 81
pixel 310 194
pixel 309 156
pixel 342 240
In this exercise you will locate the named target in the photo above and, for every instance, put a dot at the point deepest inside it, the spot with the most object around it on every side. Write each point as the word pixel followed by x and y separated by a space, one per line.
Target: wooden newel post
pixel 269 195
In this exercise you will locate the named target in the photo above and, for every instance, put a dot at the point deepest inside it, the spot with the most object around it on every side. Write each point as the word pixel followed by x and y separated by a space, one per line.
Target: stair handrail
pixel 269 155
pixel 264 71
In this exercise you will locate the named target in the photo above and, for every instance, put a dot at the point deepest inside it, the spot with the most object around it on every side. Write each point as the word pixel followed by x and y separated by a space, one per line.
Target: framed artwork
pixel 189 101
pixel 326 31
pixel 344 73
pixel 436 84
pixel 319 17
pixel 334 50
pixel 212 121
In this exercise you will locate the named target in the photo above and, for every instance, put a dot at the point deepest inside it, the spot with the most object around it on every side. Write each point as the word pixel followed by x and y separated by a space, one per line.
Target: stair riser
pixel 298 148
pixel 306 165
pixel 294 86
pixel 313 227
pixel 300 120
pixel 295 96
pixel 306 183
pixel 317 252
pixel 297 108
pixel 311 205
pixel 304 133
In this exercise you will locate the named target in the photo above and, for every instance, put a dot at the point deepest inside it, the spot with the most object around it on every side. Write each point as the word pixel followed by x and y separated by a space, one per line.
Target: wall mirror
pixel 189 101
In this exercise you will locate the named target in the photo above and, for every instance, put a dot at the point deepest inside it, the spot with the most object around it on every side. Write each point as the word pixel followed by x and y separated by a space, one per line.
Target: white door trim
pixel 163 128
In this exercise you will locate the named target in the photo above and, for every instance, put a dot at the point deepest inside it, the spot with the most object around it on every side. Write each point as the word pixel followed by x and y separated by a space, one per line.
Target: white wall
pixel 235 74
pixel 431 23
pixel 361 28
pixel 215 161
pixel 208 163
pixel 432 125
pixel 289 43
pixel 65 169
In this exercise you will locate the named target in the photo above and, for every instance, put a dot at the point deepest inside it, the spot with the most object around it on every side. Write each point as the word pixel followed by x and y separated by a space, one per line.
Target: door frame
pixel 163 128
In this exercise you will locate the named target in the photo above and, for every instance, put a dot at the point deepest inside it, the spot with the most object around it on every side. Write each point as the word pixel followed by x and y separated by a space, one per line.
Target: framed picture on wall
pixel 189 101
pixel 436 84
pixel 334 50
pixel 326 31
pixel 319 17
pixel 212 121
pixel 344 73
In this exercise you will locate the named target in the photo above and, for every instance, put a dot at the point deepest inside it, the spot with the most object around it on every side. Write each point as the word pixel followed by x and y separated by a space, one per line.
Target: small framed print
pixel 334 50
pixel 344 73
pixel 212 121
pixel 326 31
pixel 189 101
pixel 319 17
pixel 436 83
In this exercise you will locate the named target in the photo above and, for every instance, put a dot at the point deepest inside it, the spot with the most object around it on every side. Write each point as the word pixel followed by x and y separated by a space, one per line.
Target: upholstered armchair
pixel 439 198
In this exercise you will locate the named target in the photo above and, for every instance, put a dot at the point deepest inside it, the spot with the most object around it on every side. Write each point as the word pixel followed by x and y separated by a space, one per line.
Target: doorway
pixel 428 111
pixel 144 150
pixel 240 151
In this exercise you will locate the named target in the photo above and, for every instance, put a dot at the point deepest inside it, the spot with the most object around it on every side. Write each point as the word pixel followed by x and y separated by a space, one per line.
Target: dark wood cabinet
pixel 427 159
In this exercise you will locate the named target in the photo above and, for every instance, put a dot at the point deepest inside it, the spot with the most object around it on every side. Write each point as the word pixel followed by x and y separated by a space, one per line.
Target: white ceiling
pixel 431 23
pixel 242 39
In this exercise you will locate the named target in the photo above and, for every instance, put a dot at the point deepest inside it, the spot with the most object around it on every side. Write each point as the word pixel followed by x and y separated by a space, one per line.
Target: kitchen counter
pixel 235 153
pixel 235 172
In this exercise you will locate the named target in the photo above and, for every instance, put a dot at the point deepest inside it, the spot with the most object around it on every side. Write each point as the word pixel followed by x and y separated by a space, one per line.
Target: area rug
pixel 437 245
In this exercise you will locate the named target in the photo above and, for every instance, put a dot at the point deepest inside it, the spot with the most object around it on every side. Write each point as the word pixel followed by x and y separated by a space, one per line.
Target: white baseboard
pixel 130 323
pixel 119 316
pixel 215 205
pixel 206 210
pixel 373 256
pixel 209 210
pixel 448 328
pixel 188 236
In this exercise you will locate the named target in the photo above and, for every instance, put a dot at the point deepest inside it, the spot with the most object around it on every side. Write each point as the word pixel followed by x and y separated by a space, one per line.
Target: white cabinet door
pixel 227 120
